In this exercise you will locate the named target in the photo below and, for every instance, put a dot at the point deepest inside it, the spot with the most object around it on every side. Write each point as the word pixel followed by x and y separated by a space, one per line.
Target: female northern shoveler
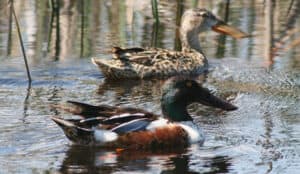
pixel 131 128
pixel 155 62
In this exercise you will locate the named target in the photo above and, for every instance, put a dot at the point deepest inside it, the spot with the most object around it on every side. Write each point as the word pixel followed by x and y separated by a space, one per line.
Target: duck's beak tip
pixel 57 120
pixel 231 107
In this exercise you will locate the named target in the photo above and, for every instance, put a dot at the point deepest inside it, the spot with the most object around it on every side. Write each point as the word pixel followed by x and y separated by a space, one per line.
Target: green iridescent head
pixel 180 92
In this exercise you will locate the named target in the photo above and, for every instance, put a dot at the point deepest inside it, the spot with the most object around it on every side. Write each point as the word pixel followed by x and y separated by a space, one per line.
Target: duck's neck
pixel 190 40
pixel 176 111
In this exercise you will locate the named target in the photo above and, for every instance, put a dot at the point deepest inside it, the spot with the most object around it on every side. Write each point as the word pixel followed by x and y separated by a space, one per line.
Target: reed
pixel 21 41
pixel 290 7
pixel 269 32
pixel 56 11
pixel 179 12
pixel 155 11
pixel 82 29
pixel 50 25
pixel 154 34
pixel 9 40
pixel 156 24
pixel 227 11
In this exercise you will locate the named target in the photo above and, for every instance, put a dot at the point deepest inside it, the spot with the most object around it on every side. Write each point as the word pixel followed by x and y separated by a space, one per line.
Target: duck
pixel 143 63
pixel 129 128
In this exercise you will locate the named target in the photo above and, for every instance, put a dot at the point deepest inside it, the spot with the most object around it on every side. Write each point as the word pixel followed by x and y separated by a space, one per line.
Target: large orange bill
pixel 223 28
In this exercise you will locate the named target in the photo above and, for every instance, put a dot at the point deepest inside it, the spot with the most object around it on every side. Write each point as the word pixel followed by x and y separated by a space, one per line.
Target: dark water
pixel 261 137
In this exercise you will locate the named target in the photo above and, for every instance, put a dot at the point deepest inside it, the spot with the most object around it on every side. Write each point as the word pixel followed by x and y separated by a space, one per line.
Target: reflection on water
pixel 80 159
pixel 59 36
pixel 93 160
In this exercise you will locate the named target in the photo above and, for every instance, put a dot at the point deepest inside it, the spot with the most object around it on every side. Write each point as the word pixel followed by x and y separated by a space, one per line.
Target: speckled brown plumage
pixel 152 63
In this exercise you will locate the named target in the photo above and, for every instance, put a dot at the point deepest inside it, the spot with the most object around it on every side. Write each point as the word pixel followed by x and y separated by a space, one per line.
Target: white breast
pixel 161 122
pixel 194 132
pixel 104 136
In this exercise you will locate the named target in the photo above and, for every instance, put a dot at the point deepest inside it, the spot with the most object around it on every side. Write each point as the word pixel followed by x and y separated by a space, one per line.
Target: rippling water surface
pixel 262 136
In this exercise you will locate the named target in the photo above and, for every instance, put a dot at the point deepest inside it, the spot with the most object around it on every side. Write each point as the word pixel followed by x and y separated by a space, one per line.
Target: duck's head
pixel 196 20
pixel 178 93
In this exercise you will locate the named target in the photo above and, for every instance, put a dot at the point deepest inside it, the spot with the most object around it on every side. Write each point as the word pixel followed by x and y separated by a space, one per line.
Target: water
pixel 262 136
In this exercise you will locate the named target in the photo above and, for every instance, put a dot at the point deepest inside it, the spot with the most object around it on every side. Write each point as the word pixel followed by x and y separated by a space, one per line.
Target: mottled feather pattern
pixel 152 62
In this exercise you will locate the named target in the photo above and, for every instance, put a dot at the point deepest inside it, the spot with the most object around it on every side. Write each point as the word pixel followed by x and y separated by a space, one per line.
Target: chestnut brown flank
pixel 166 137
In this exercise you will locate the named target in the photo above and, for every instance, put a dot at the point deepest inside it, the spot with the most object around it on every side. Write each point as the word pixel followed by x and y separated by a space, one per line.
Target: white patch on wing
pixel 104 136
pixel 126 115
pixel 161 122
pixel 194 131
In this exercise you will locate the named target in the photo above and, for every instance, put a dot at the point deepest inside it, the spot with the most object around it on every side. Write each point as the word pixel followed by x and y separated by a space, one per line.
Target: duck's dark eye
pixel 202 14
pixel 189 84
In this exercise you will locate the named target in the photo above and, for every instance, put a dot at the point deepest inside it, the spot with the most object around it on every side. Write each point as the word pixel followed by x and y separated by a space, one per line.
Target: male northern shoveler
pixel 155 62
pixel 131 128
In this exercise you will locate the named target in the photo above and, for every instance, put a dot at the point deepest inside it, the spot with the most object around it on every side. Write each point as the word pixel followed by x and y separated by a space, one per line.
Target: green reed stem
pixel 9 40
pixel 155 11
pixel 21 41
pixel 82 29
